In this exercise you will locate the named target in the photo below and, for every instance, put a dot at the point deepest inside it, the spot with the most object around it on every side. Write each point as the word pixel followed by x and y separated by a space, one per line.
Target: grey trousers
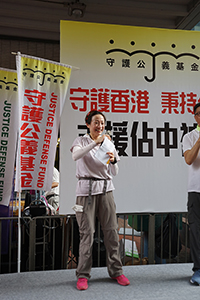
pixel 194 222
pixel 102 206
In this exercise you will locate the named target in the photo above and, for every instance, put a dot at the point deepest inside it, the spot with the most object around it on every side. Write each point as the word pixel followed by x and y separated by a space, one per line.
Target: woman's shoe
pixel 82 284
pixel 122 280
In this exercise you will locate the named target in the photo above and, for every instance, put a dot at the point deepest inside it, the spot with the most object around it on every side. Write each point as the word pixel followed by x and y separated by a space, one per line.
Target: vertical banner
pixel 146 82
pixel 9 126
pixel 42 91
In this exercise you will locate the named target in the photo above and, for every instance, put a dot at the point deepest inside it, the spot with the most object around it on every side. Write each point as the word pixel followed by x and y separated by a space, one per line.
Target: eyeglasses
pixel 197 114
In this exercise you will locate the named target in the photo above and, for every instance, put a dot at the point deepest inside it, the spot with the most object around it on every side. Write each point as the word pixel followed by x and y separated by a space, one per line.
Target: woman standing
pixel 95 198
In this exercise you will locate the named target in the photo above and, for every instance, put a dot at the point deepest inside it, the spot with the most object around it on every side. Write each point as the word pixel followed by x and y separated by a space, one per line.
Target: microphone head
pixel 108 132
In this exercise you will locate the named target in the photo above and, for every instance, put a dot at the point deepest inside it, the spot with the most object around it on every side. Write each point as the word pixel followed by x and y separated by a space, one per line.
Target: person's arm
pixel 114 169
pixel 54 184
pixel 79 152
pixel 191 155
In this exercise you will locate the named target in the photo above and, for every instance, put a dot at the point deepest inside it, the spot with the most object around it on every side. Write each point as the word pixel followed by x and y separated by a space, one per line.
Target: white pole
pixel 18 175
pixel 19 236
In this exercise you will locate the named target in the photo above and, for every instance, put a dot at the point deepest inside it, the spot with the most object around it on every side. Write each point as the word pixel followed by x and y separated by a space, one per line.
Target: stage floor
pixel 161 282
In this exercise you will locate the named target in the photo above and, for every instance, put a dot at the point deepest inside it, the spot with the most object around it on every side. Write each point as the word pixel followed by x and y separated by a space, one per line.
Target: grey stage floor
pixel 161 282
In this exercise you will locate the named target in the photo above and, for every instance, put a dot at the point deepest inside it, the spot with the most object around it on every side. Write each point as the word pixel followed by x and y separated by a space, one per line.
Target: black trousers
pixel 194 223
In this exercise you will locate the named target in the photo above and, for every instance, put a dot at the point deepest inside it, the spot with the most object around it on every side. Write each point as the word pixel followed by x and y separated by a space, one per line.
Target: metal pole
pixel 151 239
pixel 19 235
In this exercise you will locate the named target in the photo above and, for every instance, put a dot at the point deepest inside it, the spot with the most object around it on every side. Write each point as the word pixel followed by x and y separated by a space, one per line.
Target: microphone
pixel 108 132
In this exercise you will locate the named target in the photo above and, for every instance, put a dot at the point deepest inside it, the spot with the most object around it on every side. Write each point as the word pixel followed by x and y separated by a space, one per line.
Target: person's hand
pixel 112 157
pixel 100 139
pixel 108 136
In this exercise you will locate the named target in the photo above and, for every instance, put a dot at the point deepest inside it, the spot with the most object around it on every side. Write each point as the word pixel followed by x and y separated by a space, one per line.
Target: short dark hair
pixel 196 106
pixel 92 113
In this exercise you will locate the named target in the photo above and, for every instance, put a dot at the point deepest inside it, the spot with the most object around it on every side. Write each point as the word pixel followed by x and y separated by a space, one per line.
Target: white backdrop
pixel 147 115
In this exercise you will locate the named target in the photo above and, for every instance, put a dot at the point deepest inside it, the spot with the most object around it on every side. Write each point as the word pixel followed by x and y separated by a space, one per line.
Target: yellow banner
pixel 42 92
pixel 8 136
